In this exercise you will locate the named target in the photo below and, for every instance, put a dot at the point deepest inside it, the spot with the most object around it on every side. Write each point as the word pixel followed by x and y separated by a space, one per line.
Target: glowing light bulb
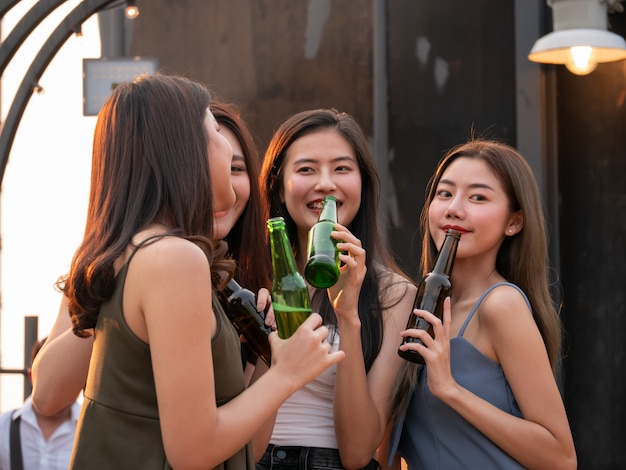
pixel 581 60
pixel 132 11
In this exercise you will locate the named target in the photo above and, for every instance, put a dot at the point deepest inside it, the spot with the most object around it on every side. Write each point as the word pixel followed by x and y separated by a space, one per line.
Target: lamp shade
pixel 580 39
pixel 554 48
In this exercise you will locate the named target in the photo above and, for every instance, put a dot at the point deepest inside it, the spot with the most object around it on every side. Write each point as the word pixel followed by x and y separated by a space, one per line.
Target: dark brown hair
pixel 245 240
pixel 150 164
pixel 379 260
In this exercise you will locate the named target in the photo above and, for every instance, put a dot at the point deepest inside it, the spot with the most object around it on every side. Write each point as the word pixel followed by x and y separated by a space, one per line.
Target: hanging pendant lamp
pixel 580 39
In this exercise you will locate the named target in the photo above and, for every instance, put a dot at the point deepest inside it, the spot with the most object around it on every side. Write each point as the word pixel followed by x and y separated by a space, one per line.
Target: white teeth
pixel 316 205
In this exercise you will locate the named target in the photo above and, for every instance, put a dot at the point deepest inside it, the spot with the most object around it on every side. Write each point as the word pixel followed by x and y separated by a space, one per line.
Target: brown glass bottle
pixel 431 293
pixel 322 267
pixel 240 307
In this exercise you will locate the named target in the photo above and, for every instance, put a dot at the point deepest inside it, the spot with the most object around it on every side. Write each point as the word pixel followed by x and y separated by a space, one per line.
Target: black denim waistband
pixel 300 457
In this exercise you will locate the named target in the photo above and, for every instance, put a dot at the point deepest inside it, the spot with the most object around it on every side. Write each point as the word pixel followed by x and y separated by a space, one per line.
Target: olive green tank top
pixel 119 425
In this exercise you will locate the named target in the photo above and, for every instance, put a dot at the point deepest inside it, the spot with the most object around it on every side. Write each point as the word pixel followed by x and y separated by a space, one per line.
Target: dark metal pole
pixel 388 208
pixel 31 336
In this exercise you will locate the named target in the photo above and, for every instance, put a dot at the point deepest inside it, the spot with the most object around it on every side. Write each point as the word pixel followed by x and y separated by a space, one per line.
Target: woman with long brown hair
pixel 487 397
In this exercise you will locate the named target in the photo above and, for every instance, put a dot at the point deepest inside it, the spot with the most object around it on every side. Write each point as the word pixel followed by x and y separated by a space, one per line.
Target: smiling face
pixel 220 158
pixel 224 221
pixel 470 198
pixel 318 164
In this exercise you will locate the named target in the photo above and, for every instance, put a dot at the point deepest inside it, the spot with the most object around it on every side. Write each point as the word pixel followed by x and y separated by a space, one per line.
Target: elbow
pixel 570 462
pixel 355 459
pixel 358 453
pixel 564 461
pixel 43 406
pixel 46 403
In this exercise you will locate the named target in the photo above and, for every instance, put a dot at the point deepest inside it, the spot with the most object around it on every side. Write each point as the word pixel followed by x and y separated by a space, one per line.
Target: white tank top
pixel 306 418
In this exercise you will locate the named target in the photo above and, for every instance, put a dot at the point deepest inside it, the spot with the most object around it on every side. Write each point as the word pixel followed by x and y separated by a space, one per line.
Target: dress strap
pixel 482 297
pixel 145 242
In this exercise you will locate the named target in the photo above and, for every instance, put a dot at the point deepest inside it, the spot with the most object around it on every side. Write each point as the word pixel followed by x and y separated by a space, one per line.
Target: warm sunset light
pixel 45 186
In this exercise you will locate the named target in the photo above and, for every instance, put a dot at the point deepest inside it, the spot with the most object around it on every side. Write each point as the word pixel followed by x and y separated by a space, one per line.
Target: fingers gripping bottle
pixel 240 307
pixel 322 267
pixel 290 294
pixel 431 293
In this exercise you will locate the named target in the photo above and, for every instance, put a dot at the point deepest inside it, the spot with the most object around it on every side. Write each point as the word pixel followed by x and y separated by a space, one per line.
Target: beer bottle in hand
pixel 290 294
pixel 240 307
pixel 322 267
pixel 431 293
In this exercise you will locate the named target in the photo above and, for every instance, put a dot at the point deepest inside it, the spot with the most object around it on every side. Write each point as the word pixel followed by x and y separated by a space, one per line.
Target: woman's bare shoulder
pixel 170 254
pixel 508 299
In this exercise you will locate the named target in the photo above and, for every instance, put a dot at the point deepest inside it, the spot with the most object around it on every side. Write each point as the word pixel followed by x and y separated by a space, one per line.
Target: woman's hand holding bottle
pixel 344 295
pixel 304 355
pixel 264 304
pixel 435 350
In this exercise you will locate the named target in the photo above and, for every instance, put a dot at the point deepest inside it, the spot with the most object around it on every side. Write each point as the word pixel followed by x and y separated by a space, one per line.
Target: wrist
pixel 349 322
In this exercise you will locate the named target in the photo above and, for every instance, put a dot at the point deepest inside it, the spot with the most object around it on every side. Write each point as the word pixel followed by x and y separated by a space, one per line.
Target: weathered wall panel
pixel 451 72
pixel 272 57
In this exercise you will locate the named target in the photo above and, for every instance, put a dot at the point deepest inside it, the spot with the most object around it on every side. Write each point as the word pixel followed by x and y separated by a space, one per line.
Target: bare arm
pixel 363 401
pixel 262 437
pixel 383 451
pixel 518 346
pixel 60 369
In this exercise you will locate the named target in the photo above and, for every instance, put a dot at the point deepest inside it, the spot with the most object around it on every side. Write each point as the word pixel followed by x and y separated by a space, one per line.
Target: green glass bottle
pixel 240 306
pixel 290 294
pixel 431 293
pixel 322 266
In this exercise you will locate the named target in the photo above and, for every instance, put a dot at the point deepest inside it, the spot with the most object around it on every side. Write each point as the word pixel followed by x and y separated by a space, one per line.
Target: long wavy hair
pixel 379 260
pixel 149 164
pixel 245 244
pixel 522 258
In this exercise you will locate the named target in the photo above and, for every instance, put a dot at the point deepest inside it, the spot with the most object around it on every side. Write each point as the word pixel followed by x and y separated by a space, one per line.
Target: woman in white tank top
pixel 338 420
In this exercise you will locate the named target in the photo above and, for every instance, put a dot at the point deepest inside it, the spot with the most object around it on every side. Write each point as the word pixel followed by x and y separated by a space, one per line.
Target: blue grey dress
pixel 431 435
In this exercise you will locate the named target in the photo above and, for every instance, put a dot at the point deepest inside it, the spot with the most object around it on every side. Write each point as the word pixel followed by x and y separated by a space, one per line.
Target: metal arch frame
pixel 23 28
pixel 7 6
pixel 47 52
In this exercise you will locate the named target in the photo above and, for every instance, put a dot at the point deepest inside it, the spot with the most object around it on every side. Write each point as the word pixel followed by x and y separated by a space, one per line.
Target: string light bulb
pixel 132 11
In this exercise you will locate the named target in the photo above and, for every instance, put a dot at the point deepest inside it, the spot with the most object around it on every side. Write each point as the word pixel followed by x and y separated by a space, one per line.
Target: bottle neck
pixel 283 260
pixel 445 258
pixel 228 289
pixel 232 287
pixel 329 210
